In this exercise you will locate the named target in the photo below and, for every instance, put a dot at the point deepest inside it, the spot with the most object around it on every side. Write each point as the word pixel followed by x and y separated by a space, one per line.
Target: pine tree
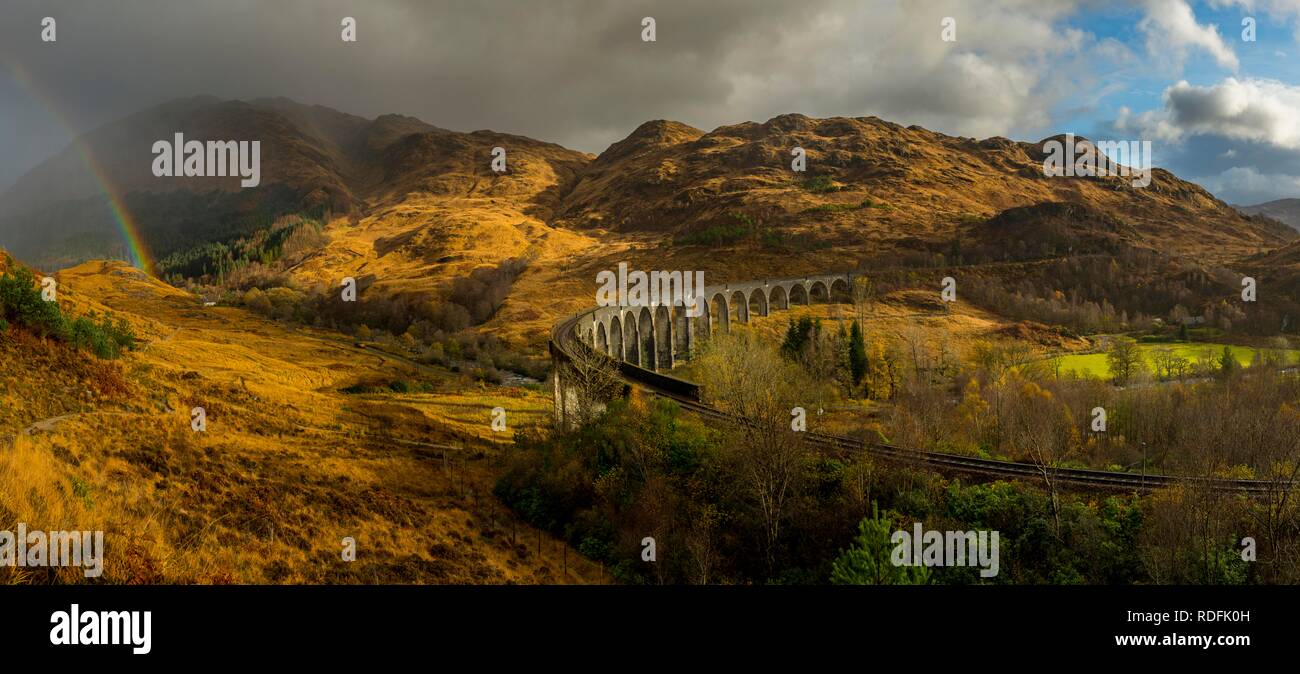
pixel 843 366
pixel 869 561
pixel 797 337
pixel 790 347
pixel 857 354
pixel 1227 362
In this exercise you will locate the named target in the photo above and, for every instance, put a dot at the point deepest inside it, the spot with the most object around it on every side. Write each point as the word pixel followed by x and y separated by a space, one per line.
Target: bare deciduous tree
pixel 864 294
pixel 1043 430
pixel 701 542
pixel 593 379
pixel 747 377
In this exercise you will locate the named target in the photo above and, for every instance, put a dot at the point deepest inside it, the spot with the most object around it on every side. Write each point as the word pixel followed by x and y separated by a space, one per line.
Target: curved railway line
pixel 686 395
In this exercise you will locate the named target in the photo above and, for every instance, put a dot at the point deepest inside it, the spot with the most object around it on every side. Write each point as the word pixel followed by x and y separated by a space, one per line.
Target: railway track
pixel 686 395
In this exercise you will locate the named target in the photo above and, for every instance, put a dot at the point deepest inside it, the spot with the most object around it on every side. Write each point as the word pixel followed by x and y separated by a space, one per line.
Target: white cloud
pixel 1246 186
pixel 1243 135
pixel 1149 125
pixel 1171 28
pixel 1256 110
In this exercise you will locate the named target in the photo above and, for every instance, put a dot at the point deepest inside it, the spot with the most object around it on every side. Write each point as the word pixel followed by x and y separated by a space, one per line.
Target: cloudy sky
pixel 1220 109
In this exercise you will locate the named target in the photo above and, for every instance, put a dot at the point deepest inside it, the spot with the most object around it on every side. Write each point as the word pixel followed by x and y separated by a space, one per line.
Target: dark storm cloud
pixel 569 71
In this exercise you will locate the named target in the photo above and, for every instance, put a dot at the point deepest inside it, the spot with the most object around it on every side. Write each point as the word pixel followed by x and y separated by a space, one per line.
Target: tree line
pixel 754 503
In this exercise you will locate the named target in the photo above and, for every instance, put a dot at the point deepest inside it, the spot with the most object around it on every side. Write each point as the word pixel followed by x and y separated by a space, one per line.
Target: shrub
pixel 820 185
pixel 105 338
pixel 741 226
pixel 21 304
pixel 714 235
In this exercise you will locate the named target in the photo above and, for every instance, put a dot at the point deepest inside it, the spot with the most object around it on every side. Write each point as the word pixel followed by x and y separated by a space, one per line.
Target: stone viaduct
pixel 655 336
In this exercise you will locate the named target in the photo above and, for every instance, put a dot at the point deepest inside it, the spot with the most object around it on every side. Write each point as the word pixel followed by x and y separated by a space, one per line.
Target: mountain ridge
pixel 1286 211
pixel 416 207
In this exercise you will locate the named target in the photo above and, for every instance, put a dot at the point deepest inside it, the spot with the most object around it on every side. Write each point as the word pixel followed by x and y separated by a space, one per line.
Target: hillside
pixel 307 442
pixel 1286 211
pixel 872 180
pixel 1278 268
pixel 313 161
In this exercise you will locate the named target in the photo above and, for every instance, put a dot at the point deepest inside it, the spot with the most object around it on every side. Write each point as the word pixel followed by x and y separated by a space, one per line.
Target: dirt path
pixel 47 425
pixel 164 340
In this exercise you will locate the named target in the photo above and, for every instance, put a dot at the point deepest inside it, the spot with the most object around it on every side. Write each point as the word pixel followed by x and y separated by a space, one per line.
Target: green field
pixel 1095 365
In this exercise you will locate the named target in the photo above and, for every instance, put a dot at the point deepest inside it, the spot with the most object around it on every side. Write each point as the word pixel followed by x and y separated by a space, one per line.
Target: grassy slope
pixel 287 467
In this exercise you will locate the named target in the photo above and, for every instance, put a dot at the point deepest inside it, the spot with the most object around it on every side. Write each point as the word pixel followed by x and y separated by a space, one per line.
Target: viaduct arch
pixel 655 337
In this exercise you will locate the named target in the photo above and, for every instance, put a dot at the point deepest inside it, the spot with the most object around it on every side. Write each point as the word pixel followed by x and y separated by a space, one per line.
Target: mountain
pixel 413 210
pixel 1283 210
pixel 869 178
pixel 314 161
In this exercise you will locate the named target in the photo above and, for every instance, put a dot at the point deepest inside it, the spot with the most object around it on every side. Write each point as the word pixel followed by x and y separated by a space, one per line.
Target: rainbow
pixel 126 225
